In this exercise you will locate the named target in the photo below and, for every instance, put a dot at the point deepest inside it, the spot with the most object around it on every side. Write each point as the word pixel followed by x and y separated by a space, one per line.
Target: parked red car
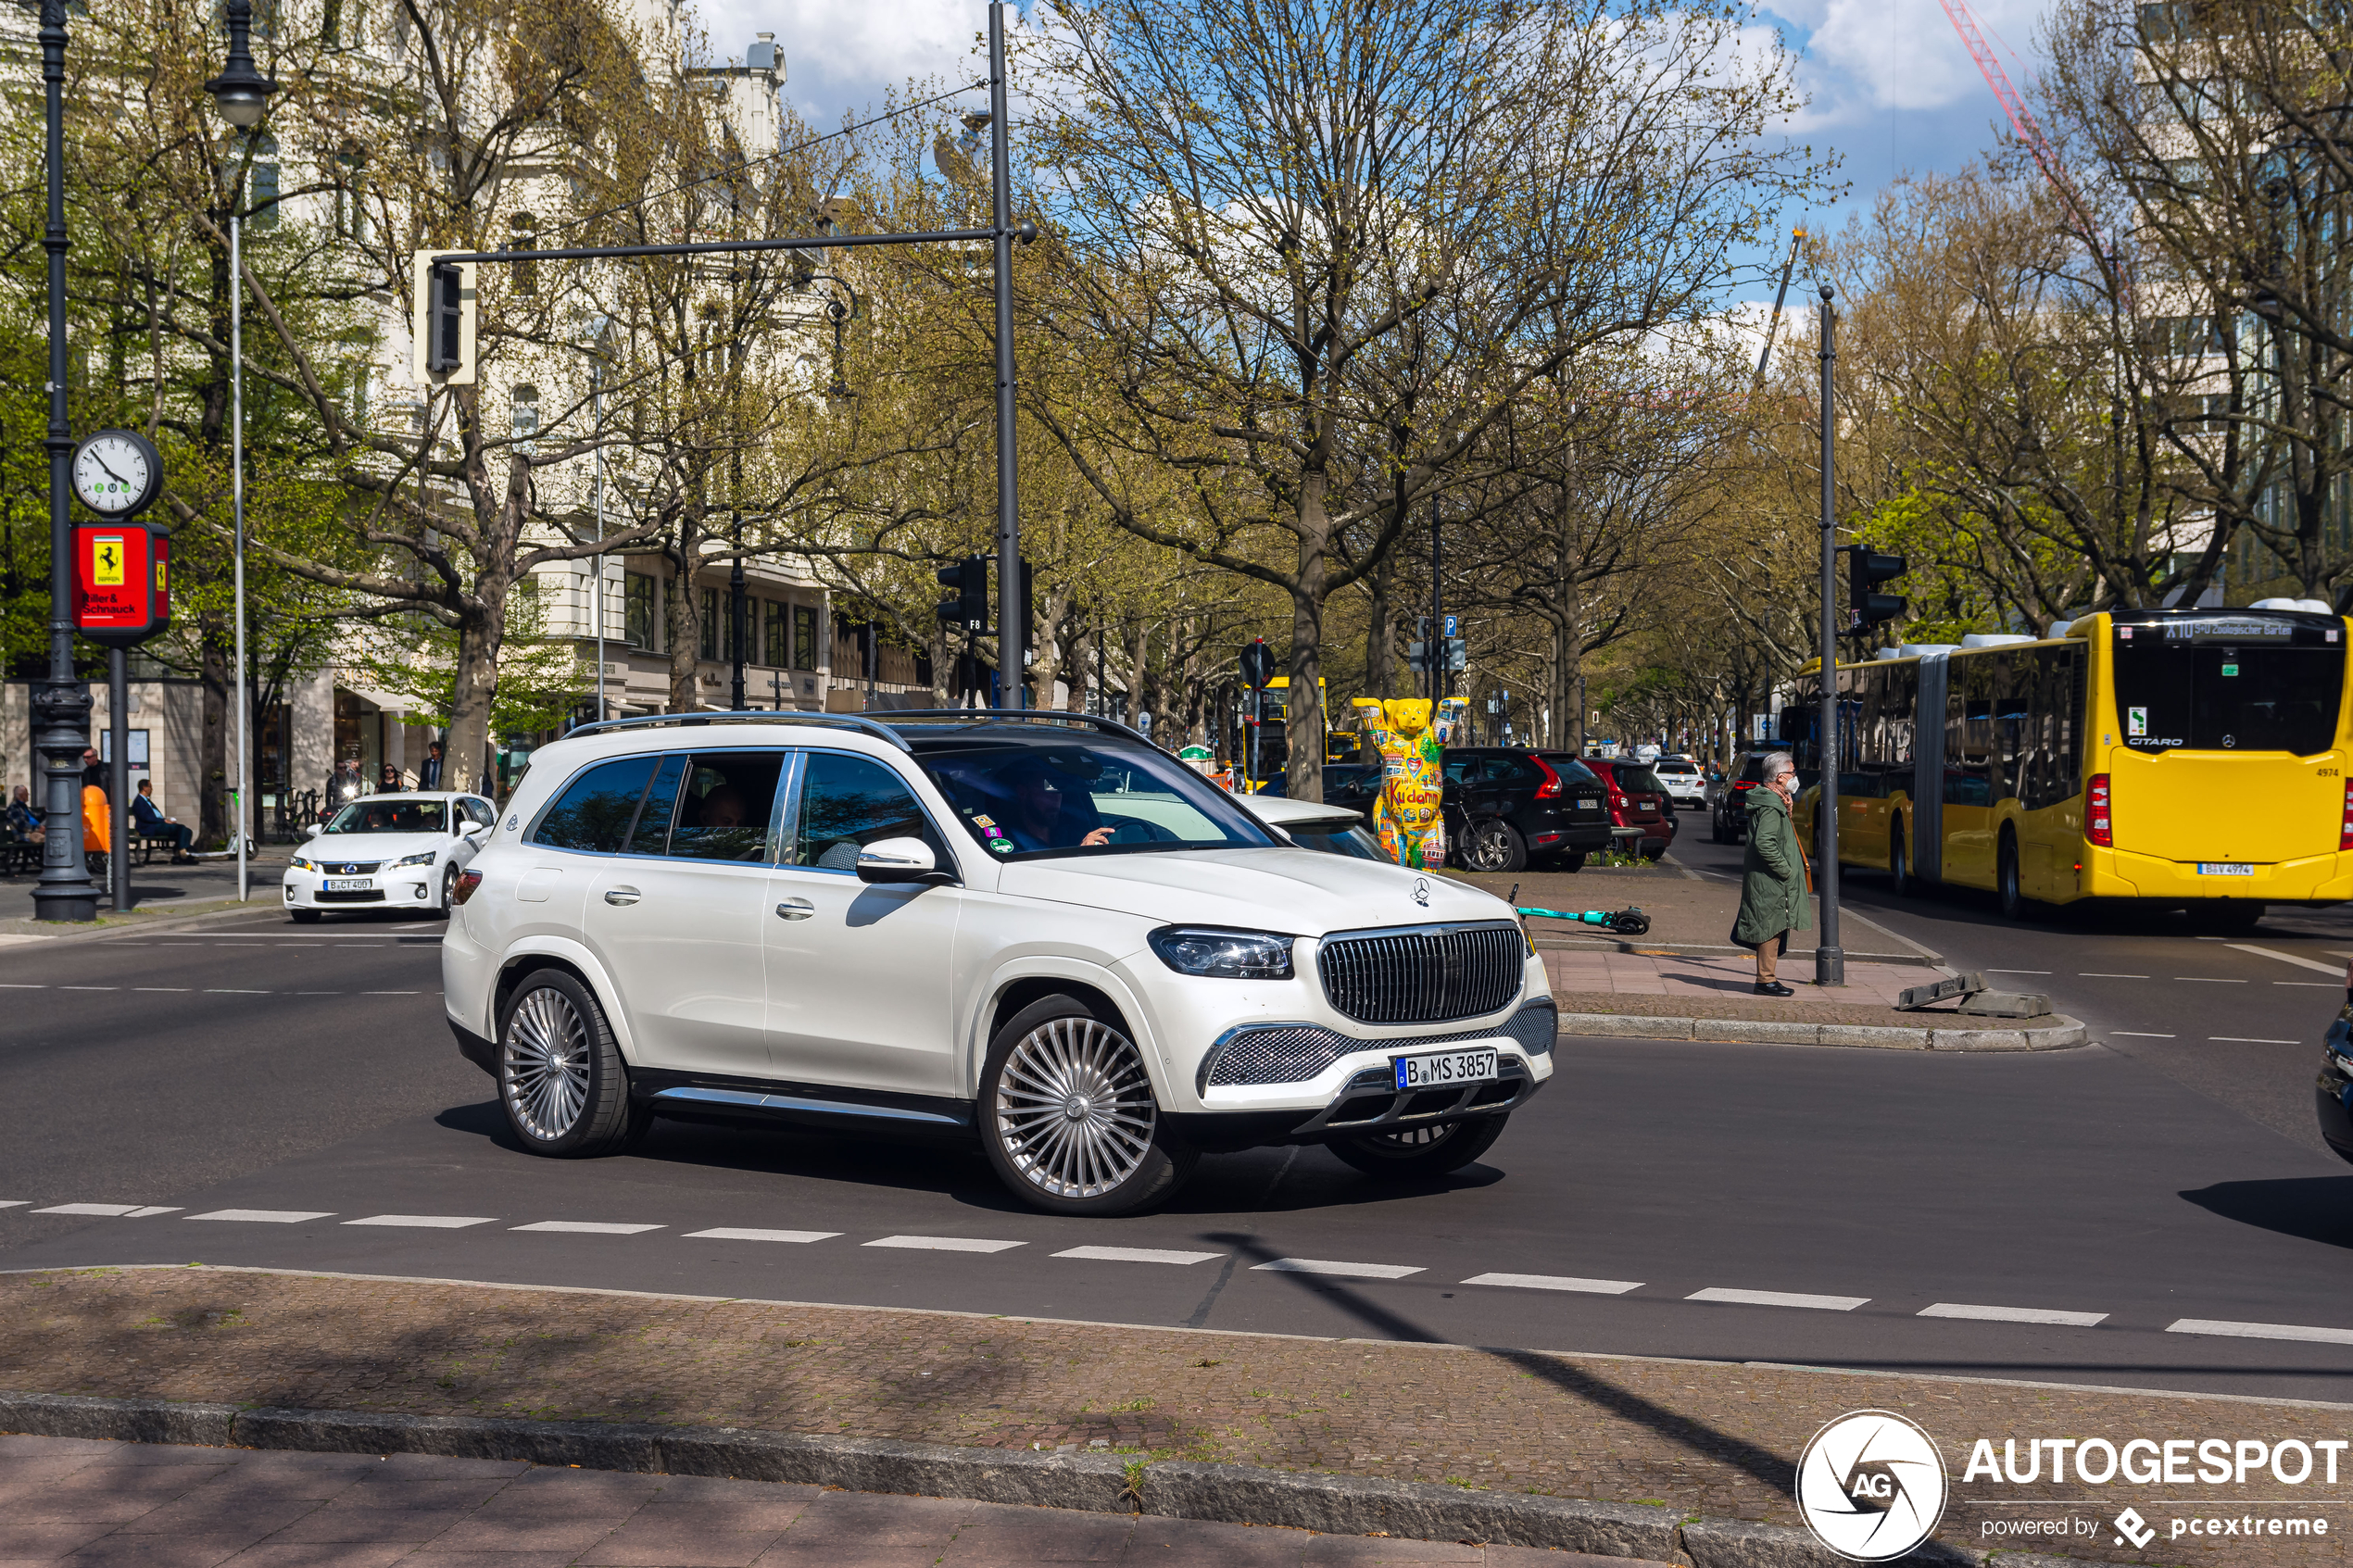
pixel 1638 799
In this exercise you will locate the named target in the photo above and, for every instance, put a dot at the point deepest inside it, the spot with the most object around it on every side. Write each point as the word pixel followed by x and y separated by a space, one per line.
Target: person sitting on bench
pixel 148 820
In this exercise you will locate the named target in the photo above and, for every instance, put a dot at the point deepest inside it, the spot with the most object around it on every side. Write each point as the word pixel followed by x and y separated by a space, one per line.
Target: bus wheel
pixel 2006 880
pixel 1899 863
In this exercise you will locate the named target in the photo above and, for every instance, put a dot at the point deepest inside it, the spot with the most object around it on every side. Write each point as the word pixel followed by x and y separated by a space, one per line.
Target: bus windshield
pixel 2212 691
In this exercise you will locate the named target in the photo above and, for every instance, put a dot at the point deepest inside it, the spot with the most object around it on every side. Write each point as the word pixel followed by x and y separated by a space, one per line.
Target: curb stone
pixel 2061 1033
pixel 1096 1483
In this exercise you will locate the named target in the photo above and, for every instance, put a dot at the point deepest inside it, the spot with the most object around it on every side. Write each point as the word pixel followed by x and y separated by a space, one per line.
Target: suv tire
pixel 1494 846
pixel 561 1082
pixel 1425 1151
pixel 1068 1116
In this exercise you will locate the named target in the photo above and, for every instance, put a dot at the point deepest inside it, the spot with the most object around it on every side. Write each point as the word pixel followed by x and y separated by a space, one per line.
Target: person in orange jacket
pixel 97 821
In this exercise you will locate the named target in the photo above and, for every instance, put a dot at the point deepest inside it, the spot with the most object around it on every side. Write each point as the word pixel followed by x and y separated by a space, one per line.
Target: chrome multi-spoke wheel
pixel 545 1066
pixel 1074 1108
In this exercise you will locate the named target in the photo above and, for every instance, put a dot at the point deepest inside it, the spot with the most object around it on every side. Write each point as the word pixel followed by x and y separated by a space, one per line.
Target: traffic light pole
pixel 1012 634
pixel 1829 958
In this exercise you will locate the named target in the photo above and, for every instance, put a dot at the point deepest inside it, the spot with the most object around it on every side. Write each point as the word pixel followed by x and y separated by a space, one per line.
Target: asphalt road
pixel 2055 1216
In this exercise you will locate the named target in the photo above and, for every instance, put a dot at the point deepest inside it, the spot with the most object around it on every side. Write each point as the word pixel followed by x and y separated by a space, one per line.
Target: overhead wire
pixel 734 169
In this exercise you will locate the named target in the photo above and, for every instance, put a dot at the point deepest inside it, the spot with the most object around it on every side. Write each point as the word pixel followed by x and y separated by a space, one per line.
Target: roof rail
pixel 753 716
pixel 1012 715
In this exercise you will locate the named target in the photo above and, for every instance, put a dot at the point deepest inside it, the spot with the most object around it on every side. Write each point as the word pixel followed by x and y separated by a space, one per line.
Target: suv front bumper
pixel 1299 1082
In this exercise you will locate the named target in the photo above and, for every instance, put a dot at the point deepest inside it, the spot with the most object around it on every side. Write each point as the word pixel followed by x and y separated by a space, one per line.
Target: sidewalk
pixel 84 1503
pixel 159 891
pixel 1718 1441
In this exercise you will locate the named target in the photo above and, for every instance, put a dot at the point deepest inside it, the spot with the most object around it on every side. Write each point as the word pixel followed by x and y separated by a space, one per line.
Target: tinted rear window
pixel 595 810
pixel 2204 692
pixel 1639 781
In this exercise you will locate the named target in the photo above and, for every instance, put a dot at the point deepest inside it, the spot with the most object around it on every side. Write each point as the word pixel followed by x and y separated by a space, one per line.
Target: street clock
pixel 117 473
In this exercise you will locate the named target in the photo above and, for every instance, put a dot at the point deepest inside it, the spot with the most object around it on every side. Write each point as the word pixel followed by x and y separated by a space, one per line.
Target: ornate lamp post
pixel 239 94
pixel 60 703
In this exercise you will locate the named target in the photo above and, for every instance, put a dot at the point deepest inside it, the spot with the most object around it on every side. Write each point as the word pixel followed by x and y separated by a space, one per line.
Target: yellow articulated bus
pixel 2188 758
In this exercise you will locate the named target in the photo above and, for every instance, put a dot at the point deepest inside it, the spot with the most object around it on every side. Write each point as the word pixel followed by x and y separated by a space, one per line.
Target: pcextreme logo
pixel 1872 1485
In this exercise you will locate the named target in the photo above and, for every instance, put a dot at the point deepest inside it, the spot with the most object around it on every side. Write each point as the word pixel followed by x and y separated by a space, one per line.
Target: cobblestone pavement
pixel 85 1504
pixel 1717 1438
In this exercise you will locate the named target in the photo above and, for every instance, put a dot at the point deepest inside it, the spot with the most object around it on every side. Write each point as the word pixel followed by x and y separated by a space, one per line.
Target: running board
pixel 747 1099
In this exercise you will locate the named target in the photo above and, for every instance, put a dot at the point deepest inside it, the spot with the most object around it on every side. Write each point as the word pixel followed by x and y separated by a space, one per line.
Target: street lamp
pixel 241 94
pixel 60 703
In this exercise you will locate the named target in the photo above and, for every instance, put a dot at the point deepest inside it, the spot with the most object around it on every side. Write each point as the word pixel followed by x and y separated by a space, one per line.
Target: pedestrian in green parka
pixel 1776 885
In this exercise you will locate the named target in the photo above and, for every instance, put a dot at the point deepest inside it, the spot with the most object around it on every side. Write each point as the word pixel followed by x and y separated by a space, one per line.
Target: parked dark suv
pixel 1507 807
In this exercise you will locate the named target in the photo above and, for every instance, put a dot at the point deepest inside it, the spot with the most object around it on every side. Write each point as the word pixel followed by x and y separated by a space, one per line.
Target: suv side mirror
pixel 887 862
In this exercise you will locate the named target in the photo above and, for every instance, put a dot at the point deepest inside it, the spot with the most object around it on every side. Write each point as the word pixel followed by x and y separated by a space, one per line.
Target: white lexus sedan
pixel 388 851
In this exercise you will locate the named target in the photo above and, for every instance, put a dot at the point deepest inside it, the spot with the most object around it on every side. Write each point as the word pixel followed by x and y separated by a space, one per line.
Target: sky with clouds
pixel 1890 87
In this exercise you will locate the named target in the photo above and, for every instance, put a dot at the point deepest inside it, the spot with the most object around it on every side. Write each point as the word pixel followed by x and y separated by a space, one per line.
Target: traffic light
pixel 1257 665
pixel 442 328
pixel 1865 569
pixel 968 608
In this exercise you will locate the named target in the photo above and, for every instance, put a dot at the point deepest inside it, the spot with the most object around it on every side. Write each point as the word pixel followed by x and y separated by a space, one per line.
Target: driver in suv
pixel 1037 932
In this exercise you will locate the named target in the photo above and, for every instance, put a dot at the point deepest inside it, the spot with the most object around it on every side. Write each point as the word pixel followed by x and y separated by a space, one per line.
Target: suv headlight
pixel 423 859
pixel 1226 955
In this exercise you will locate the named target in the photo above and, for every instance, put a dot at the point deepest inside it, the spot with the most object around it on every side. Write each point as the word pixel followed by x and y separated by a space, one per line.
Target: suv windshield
pixel 1019 799
pixel 391 816
pixel 2212 685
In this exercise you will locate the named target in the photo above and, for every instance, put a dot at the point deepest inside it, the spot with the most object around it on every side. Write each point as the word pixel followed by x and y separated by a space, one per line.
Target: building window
pixel 351 199
pixel 804 637
pixel 709 630
pixel 776 645
pixel 522 420
pixel 637 611
pixel 522 233
pixel 261 184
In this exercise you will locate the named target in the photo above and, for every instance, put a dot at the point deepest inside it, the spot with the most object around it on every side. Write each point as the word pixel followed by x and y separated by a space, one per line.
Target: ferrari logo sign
pixel 121 583
pixel 105 561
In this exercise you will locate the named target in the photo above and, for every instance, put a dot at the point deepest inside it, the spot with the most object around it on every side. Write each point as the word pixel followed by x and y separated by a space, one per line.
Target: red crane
pixel 2021 117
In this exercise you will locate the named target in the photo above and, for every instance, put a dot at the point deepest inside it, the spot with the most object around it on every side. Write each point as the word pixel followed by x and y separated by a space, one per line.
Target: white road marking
pixel 106 1210
pixel 943 1244
pixel 2102 974
pixel 2262 1331
pixel 14 1202
pixel 231 991
pixel 1558 1282
pixel 88 987
pixel 388 993
pixel 730 1232
pixel 2140 1034
pixel 1777 1298
pixel 152 1210
pixel 161 987
pixel 268 1216
pixel 2251 1040
pixel 17 986
pixel 586 1227
pixel 427 1222
pixel 1337 1270
pixel 2316 984
pixel 1136 1255
pixel 2012 1314
pixel 2286 957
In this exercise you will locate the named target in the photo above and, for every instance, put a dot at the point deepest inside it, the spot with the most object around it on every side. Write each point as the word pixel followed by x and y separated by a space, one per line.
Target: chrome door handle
pixel 621 896
pixel 796 909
